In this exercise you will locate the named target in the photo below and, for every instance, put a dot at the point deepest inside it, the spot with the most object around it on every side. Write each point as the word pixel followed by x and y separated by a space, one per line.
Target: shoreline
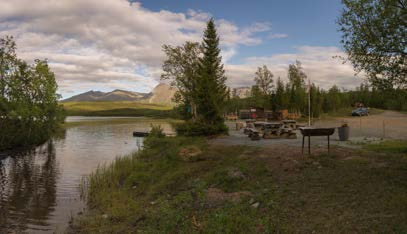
pixel 190 185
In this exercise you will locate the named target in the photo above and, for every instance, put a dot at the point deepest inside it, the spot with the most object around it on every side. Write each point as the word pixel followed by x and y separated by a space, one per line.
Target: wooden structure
pixel 268 114
pixel 244 114
pixel 261 113
pixel 280 114
pixel 290 123
pixel 278 130
pixel 255 129
pixel 239 125
pixel 293 115
pixel 284 114
pixel 231 116
pixel 311 131
pixel 252 113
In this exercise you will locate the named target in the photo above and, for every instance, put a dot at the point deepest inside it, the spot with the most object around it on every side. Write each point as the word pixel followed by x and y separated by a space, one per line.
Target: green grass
pixel 124 108
pixel 394 146
pixel 155 191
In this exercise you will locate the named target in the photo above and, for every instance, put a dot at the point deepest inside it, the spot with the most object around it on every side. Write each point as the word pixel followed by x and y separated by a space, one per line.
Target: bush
pixel 190 128
pixel 156 132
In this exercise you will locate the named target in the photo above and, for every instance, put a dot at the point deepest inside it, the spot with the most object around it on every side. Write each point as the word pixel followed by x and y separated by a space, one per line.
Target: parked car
pixel 361 111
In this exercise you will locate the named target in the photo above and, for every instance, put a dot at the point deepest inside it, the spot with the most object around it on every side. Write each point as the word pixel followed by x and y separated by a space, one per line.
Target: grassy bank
pixel 185 185
pixel 124 108
pixel 124 120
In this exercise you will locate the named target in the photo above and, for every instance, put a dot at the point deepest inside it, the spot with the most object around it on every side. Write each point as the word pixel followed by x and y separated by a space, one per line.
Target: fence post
pixel 384 129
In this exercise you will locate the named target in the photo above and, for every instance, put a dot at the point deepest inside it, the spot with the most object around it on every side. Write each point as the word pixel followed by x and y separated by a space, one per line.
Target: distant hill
pixel 161 94
pixel 115 95
pixel 241 92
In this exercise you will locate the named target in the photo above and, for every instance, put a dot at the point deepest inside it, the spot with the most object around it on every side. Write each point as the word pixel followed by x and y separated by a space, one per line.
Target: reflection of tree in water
pixel 28 188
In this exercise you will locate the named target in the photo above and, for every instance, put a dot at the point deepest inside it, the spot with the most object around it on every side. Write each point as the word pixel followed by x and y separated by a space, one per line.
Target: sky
pixel 117 44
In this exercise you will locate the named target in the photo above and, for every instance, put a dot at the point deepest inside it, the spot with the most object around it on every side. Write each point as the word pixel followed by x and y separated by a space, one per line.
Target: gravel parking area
pixel 362 129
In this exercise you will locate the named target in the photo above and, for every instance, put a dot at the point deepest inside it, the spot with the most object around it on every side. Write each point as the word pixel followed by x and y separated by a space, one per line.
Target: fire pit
pixel 311 131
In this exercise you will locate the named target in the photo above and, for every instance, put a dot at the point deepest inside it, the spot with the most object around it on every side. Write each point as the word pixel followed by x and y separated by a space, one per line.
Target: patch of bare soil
pixel 284 161
pixel 190 153
pixel 216 197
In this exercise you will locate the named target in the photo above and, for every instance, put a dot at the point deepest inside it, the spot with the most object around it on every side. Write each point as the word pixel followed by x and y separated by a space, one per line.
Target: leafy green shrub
pixel 200 129
pixel 156 132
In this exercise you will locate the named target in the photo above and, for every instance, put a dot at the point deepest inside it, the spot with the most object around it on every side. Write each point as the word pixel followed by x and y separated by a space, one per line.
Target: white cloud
pixel 109 41
pixel 320 64
pixel 277 35
pixel 116 44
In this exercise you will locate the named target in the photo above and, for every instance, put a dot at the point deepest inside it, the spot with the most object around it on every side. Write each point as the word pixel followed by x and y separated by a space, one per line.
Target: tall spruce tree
pixel 280 99
pixel 211 89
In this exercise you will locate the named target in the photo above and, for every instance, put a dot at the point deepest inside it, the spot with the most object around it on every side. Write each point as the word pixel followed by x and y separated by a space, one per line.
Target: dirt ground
pixel 387 125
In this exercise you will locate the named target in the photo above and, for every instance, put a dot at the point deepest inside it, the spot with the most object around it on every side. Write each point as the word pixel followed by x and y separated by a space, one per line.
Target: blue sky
pixel 311 23
pixel 116 44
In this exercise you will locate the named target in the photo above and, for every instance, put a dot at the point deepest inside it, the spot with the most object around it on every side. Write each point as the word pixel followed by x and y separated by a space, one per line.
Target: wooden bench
pixel 254 134
pixel 311 131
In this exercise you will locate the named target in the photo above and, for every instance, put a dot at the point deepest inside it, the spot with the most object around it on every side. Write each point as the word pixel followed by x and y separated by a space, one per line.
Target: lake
pixel 39 188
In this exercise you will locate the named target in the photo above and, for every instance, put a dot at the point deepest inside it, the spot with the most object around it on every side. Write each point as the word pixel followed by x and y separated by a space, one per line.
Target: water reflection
pixel 28 188
pixel 39 188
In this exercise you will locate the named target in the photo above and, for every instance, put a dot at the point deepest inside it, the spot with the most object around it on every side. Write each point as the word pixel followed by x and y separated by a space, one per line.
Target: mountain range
pixel 161 94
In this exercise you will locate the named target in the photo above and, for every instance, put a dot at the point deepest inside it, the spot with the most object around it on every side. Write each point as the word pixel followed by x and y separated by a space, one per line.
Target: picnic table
pixel 311 131
pixel 290 123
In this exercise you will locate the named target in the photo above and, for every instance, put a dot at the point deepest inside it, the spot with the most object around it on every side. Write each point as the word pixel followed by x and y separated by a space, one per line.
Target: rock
pixel 134 187
pixel 105 216
pixel 236 173
pixel 190 154
pixel 255 205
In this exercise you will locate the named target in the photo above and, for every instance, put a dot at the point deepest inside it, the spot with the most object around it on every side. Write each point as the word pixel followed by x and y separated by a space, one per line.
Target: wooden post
pixel 302 151
pixel 309 145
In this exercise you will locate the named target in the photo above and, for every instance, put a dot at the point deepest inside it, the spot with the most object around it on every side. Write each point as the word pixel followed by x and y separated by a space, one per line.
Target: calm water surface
pixel 39 189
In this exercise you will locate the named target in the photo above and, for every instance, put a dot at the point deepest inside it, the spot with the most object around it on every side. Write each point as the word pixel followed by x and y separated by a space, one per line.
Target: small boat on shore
pixel 140 134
